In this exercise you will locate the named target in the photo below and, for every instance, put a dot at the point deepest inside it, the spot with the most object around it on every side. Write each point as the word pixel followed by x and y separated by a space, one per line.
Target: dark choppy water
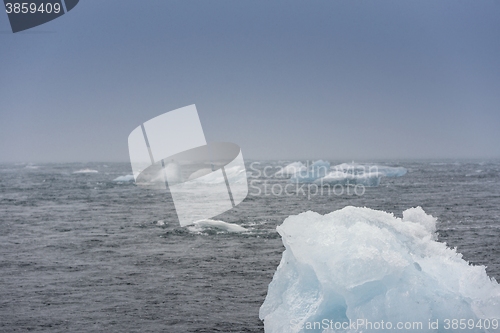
pixel 80 253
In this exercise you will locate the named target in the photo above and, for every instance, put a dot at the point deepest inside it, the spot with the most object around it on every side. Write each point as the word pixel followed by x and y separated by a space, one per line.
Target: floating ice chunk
pixel 207 224
pixel 127 178
pixel 318 169
pixel 86 171
pixel 290 170
pixel 359 263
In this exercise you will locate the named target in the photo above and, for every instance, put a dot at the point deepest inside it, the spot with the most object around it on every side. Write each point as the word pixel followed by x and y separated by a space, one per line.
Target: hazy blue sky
pixel 283 79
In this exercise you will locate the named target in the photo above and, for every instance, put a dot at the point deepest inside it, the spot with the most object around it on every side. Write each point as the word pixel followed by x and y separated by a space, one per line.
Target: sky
pixel 351 80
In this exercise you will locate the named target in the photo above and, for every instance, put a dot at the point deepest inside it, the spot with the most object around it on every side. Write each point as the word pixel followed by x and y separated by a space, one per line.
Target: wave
pixel 201 225
pixel 127 178
pixel 86 171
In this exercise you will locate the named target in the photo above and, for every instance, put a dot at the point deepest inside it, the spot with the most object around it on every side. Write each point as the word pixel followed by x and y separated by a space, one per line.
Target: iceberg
pixel 124 179
pixel 356 269
pixel 320 173
pixel 317 170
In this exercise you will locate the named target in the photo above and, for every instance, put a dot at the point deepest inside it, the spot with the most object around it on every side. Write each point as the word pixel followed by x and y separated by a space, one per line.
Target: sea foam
pixel 359 263
pixel 201 225
pixel 86 171
pixel 127 178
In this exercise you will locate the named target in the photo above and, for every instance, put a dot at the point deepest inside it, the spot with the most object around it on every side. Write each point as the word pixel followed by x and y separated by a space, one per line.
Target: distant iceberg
pixel 321 173
pixel 317 170
pixel 86 171
pixel 366 266
pixel 127 178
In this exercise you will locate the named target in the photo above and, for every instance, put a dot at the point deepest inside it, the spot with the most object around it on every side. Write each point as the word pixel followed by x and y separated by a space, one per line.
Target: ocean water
pixel 80 252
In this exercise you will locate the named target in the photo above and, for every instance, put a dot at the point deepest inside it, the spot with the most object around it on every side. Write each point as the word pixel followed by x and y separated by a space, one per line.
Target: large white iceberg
pixel 356 269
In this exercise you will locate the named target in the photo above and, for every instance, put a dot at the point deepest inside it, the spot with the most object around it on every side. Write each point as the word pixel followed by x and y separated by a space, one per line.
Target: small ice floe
pixel 86 171
pixel 215 224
